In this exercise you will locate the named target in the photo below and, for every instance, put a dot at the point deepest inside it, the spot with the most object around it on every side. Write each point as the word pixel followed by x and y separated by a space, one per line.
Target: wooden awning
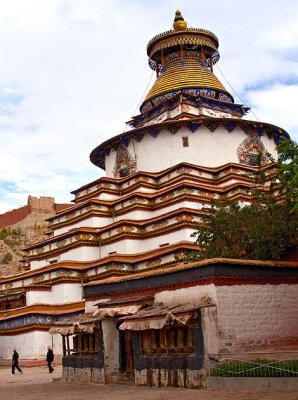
pixel 84 323
pixel 73 329
pixel 115 311
pixel 157 322
pixel 160 316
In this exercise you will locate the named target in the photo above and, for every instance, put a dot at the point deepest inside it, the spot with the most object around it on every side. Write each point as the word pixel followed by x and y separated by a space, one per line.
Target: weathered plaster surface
pixel 165 377
pixel 30 344
pixel 83 375
pixel 111 346
pixel 256 316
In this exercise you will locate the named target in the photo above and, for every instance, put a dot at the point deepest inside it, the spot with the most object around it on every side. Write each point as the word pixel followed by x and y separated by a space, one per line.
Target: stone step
pixel 123 379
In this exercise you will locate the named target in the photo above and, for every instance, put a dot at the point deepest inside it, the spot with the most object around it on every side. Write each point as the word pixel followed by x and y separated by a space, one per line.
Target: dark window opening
pixel 83 344
pixel 123 171
pixel 185 141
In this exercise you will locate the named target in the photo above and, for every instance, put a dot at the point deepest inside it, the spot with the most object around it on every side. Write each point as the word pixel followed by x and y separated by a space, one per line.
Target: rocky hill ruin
pixel 22 227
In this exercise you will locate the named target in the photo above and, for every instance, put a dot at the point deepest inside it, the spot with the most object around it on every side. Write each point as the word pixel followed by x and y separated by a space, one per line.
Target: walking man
pixel 50 359
pixel 15 362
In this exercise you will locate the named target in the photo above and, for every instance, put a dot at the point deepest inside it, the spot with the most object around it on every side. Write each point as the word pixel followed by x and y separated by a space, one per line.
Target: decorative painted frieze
pixel 183 170
pixel 61 243
pixel 252 151
pixel 33 320
pixel 38 278
pixel 154 263
pixel 160 225
pixel 125 164
pixel 8 285
pixel 184 217
pixel 173 129
pixel 64 273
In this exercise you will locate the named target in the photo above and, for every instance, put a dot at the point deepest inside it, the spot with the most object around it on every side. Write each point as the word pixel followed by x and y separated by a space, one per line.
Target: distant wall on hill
pixel 39 204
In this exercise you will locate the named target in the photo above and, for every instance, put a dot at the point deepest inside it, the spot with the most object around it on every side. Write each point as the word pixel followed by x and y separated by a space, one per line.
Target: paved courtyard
pixel 36 383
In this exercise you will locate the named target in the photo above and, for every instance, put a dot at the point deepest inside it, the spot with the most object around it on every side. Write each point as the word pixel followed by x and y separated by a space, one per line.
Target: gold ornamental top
pixel 181 35
pixel 183 58
pixel 179 23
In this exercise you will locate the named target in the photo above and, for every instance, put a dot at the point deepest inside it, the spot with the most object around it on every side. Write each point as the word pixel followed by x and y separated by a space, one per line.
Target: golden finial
pixel 179 23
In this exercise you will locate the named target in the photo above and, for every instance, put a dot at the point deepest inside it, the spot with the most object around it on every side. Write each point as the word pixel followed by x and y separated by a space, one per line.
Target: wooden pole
pixel 63 345
pixel 68 351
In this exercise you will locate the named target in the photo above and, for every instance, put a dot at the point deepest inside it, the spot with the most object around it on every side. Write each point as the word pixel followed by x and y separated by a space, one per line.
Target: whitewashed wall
pixel 128 246
pixel 91 222
pixel 38 297
pixel 67 293
pixel 59 294
pixel 30 345
pixel 193 294
pixel 83 253
pixel 147 214
pixel 211 149
pixel 251 316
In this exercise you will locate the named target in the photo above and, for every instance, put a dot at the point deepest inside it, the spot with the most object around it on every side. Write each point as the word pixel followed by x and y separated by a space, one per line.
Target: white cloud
pixel 277 105
pixel 72 72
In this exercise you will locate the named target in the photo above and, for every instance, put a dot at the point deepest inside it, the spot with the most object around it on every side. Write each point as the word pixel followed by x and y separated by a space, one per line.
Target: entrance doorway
pixel 126 352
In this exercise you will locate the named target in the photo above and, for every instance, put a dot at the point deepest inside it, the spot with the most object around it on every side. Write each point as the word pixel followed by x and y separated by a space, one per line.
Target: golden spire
pixel 179 23
pixel 183 59
pixel 191 75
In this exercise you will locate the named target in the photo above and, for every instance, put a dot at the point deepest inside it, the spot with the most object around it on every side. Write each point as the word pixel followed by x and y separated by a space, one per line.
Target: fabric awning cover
pixel 73 329
pixel 121 310
pixel 156 322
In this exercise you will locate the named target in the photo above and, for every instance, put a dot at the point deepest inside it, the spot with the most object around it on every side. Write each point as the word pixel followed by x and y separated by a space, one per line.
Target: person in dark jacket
pixel 50 359
pixel 15 362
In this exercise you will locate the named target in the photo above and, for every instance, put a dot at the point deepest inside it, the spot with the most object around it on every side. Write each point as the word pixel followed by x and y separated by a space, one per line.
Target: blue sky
pixel 73 71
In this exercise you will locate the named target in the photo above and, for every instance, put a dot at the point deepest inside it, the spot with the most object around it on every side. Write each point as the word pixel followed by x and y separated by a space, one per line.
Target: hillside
pixel 22 227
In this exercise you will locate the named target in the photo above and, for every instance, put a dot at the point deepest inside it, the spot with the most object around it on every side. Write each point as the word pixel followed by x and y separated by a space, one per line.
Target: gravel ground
pixel 36 383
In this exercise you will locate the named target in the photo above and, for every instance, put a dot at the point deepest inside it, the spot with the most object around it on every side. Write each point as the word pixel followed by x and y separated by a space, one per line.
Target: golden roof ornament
pixel 183 59
pixel 179 23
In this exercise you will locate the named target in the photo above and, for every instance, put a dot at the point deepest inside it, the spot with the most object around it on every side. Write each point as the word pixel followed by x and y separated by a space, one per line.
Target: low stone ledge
pixel 256 384
pixel 83 375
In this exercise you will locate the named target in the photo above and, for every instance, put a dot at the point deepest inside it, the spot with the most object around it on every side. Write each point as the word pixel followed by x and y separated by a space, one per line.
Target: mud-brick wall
pixel 256 317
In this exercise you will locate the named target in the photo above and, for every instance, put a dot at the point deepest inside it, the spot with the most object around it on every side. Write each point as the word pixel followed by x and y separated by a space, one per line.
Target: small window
pixel 165 341
pixel 163 244
pixel 185 141
pixel 85 344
